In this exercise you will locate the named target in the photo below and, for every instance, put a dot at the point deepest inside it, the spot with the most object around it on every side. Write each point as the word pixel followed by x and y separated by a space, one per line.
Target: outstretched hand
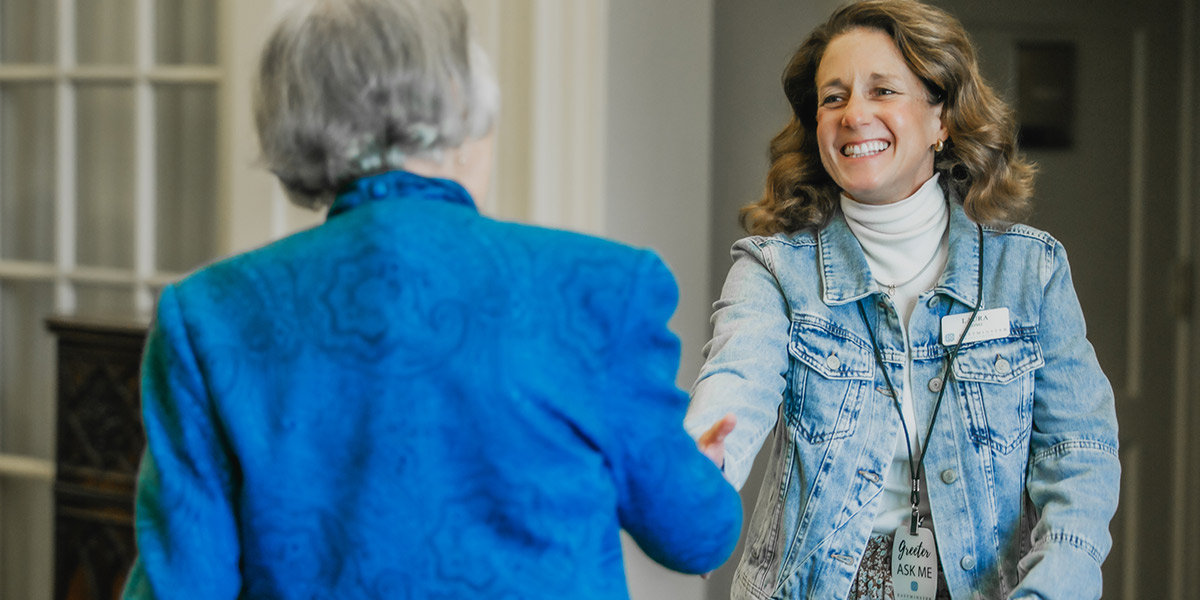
pixel 712 445
pixel 712 442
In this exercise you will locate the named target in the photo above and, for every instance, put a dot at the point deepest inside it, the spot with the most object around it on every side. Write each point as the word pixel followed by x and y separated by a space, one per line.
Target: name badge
pixel 989 324
pixel 914 565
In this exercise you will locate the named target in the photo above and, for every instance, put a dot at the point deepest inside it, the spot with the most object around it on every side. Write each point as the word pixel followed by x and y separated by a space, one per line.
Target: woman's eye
pixel 831 99
pixel 884 92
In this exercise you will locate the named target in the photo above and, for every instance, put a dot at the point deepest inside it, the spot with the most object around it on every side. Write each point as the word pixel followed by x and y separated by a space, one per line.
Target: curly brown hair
pixel 980 164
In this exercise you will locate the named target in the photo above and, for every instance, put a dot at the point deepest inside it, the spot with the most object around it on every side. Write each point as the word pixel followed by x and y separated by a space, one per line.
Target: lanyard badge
pixel 914 551
pixel 914 564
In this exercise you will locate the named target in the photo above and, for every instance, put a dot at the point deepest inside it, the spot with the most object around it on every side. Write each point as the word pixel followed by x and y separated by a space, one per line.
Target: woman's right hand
pixel 712 442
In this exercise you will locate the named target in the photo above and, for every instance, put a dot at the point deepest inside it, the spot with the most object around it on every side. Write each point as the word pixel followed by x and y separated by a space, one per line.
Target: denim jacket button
pixel 935 384
pixel 967 562
pixel 933 301
pixel 1002 366
pixel 833 362
pixel 949 476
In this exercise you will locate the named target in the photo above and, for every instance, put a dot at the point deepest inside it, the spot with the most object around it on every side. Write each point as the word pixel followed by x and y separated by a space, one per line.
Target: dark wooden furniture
pixel 100 442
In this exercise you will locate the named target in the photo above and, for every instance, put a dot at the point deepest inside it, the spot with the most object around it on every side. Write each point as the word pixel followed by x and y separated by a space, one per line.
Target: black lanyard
pixel 915 468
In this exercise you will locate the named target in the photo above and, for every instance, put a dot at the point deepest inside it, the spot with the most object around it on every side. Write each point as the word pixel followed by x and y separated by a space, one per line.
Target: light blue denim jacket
pixel 1022 471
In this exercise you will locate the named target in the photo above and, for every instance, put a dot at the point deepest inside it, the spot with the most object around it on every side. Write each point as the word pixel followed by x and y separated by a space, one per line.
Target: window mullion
pixel 144 169
pixel 65 209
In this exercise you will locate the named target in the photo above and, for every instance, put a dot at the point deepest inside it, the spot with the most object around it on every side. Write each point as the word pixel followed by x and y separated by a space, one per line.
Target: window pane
pixel 104 32
pixel 27 31
pixel 186 178
pixel 105 300
pixel 185 32
pixel 26 539
pixel 27 137
pixel 105 158
pixel 26 370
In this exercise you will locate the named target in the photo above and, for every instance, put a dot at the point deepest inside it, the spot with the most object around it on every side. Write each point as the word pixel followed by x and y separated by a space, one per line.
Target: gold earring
pixel 938 146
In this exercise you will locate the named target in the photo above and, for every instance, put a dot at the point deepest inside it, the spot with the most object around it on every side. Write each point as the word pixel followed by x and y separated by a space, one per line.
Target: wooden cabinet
pixel 100 441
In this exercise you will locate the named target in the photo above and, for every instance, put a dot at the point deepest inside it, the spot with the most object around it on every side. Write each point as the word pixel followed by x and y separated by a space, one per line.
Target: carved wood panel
pixel 100 441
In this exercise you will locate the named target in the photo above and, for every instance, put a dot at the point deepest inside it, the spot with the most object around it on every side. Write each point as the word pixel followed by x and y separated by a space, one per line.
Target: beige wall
pixel 657 143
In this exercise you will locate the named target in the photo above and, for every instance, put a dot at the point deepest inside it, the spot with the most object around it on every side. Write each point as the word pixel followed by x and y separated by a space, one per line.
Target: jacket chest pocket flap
pixel 831 371
pixel 995 381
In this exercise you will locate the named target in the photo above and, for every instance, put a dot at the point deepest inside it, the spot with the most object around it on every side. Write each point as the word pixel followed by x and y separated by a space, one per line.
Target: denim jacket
pixel 1022 472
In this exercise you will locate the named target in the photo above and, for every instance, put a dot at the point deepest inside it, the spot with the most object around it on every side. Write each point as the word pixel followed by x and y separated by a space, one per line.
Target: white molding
pixel 111 74
pixel 102 275
pixel 28 270
pixel 569 87
pixel 38 469
pixel 185 74
pixel 23 73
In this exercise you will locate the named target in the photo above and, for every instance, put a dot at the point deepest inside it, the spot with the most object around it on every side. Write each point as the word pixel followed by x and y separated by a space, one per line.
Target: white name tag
pixel 988 325
pixel 914 565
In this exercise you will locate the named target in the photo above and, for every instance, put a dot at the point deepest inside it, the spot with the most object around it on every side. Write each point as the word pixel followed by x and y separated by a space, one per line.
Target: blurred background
pixel 127 158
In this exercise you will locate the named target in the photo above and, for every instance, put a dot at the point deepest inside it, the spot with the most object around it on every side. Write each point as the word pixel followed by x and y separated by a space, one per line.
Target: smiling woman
pixel 979 153
pixel 889 319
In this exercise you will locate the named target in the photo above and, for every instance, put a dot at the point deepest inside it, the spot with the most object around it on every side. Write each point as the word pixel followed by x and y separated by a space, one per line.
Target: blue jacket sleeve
pixel 187 535
pixel 1074 472
pixel 673 500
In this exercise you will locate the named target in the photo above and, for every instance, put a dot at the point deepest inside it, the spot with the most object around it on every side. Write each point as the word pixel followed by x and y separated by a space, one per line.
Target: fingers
pixel 712 442
pixel 718 432
pixel 724 427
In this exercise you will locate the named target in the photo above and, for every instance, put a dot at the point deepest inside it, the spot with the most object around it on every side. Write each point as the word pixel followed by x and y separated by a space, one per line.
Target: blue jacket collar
pixel 846 277
pixel 399 185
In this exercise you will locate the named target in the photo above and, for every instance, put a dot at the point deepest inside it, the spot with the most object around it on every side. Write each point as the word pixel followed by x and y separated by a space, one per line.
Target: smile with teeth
pixel 864 149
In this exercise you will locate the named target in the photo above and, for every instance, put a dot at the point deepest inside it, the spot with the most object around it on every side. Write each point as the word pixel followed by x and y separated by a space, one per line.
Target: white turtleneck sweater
pixel 906 247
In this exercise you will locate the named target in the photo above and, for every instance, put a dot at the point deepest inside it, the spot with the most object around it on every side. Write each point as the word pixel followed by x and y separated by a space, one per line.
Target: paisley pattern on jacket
pixel 415 401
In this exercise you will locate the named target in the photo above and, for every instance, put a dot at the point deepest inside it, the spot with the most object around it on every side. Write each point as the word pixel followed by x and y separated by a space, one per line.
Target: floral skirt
pixel 874 578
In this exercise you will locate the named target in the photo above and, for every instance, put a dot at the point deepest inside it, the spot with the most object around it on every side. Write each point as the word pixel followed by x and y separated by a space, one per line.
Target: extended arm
pixel 746 362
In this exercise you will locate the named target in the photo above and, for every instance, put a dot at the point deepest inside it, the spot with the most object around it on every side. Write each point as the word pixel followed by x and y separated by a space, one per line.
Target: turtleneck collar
pixel 399 185
pixel 902 239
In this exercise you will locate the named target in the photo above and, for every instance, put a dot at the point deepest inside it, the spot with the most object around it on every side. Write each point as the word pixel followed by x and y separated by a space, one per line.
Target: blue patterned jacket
pixel 415 401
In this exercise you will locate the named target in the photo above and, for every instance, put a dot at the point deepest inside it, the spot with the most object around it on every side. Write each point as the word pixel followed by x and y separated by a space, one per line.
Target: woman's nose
pixel 857 112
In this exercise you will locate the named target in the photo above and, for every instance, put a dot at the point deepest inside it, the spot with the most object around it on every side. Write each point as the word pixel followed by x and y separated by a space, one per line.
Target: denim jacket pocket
pixel 831 371
pixel 995 381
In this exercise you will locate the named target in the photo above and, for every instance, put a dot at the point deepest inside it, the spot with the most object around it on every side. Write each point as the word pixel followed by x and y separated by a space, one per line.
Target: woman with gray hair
pixel 411 400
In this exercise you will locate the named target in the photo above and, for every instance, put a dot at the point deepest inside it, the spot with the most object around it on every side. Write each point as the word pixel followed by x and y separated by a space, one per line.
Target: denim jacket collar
pixel 399 185
pixel 846 277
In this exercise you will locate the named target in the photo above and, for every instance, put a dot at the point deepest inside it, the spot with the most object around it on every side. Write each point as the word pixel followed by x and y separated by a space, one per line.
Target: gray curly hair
pixel 347 88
